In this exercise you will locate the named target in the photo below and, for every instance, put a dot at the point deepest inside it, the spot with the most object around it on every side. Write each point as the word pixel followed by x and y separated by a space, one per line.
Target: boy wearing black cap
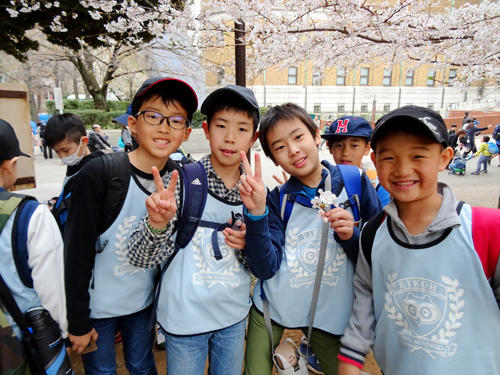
pixel 39 246
pixel 205 292
pixel 423 263
pixel 120 295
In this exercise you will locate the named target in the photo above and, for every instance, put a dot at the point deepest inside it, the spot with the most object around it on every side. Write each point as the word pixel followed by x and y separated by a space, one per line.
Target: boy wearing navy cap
pixel 427 264
pixel 349 141
pixel 121 295
pixel 204 294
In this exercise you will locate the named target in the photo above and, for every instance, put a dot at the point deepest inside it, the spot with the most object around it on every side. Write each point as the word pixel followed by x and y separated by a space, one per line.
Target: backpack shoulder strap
pixel 25 205
pixel 368 235
pixel 117 171
pixel 11 306
pixel 195 188
pixel 352 182
pixel 485 236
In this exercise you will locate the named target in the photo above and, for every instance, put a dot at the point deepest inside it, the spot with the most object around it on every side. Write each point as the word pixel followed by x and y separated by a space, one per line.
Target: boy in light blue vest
pixel 423 298
pixel 105 291
pixel 42 283
pixel 204 294
pixel 283 251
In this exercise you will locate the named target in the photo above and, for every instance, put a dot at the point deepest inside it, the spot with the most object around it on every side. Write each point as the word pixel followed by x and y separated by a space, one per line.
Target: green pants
pixel 258 354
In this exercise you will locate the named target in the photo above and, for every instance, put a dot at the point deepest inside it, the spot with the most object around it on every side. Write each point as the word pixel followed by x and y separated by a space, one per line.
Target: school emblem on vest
pixel 213 271
pixel 428 313
pixel 121 248
pixel 302 252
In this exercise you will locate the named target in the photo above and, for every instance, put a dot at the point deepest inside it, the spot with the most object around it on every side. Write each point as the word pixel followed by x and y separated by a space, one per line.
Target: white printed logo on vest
pixel 427 312
pixel 302 251
pixel 213 271
pixel 121 245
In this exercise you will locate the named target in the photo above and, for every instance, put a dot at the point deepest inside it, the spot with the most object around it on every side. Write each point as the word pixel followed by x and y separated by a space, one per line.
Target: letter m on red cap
pixel 342 126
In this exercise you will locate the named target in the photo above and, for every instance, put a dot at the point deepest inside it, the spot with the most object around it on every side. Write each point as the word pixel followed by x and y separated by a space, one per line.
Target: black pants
pixel 45 148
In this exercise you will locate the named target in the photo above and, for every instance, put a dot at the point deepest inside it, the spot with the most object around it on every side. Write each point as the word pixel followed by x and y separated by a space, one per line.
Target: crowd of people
pixel 384 259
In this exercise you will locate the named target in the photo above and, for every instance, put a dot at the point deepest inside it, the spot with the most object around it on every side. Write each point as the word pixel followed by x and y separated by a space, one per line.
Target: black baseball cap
pixel 180 88
pixel 432 121
pixel 9 144
pixel 244 93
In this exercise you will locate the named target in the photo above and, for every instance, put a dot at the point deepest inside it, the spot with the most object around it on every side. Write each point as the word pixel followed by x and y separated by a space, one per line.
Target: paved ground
pixel 482 190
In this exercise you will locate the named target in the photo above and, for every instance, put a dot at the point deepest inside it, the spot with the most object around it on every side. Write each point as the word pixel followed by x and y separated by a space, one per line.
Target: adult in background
pixel 127 138
pixel 47 151
pixel 97 140
pixel 496 138
pixel 466 119
pixel 470 131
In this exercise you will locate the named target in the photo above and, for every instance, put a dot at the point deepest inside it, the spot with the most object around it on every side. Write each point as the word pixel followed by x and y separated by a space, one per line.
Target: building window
pixel 451 76
pixel 387 107
pixel 341 77
pixel 317 81
pixel 292 75
pixel 430 106
pixel 365 75
pixel 409 78
pixel 364 108
pixel 317 107
pixel 269 106
pixel 341 108
pixel 387 77
pixel 431 75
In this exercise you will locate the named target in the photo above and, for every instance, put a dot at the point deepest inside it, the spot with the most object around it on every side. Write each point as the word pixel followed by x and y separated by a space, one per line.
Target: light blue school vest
pixel 436 313
pixel 120 288
pixel 198 293
pixel 289 291
pixel 26 298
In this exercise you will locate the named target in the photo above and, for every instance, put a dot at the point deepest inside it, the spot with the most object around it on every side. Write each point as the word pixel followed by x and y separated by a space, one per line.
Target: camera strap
pixel 317 282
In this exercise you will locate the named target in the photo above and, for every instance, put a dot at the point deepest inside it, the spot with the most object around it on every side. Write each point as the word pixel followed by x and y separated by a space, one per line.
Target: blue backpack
pixel 26 206
pixel 353 185
pixel 492 147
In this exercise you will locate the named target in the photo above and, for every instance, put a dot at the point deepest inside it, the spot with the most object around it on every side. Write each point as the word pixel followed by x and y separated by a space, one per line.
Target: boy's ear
pixel 446 156
pixel 367 148
pixel 85 141
pixel 187 133
pixel 132 122
pixel 9 165
pixel 255 137
pixel 317 138
pixel 374 158
pixel 205 129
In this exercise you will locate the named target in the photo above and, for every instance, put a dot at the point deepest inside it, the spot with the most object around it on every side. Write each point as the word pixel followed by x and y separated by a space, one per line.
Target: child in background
pixel 36 231
pixel 204 297
pixel 283 252
pixel 104 290
pixel 422 298
pixel 67 136
pixel 348 141
pixel 484 158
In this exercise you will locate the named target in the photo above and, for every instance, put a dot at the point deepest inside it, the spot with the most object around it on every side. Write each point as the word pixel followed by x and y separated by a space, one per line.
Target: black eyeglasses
pixel 155 118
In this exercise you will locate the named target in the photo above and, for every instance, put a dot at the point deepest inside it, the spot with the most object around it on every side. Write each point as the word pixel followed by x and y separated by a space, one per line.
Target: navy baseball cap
pixel 123 119
pixel 349 126
pixel 414 115
pixel 244 93
pixel 9 144
pixel 179 88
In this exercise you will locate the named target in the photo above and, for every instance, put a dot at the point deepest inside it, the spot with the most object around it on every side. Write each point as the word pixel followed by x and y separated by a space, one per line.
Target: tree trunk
pixel 100 100
pixel 75 84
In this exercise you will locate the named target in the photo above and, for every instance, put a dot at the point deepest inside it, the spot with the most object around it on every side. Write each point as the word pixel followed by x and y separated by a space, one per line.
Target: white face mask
pixel 74 159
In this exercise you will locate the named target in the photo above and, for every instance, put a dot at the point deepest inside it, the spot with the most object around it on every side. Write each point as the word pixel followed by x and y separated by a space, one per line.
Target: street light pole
pixel 240 53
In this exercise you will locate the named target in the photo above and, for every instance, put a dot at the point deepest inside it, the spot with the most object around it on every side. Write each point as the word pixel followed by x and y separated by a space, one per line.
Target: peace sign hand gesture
pixel 161 205
pixel 252 189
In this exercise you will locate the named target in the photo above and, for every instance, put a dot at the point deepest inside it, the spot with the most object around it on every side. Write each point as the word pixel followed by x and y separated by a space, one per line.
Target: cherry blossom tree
pixel 344 33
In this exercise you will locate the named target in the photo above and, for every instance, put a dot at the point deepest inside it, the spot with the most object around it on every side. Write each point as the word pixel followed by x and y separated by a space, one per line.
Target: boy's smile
pixel 296 151
pixel 349 150
pixel 408 167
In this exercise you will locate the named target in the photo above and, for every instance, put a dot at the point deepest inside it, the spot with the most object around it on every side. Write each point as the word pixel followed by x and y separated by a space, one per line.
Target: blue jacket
pixel 265 237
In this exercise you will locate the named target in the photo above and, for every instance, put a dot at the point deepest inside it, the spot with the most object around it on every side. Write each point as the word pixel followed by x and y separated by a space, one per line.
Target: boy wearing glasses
pixel 120 295
pixel 204 297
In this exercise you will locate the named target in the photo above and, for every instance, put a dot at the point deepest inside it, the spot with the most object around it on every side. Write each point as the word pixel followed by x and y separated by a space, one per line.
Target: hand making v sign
pixel 161 205
pixel 252 190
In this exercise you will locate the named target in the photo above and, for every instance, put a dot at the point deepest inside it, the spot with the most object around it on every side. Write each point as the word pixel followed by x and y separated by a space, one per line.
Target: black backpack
pixel 118 171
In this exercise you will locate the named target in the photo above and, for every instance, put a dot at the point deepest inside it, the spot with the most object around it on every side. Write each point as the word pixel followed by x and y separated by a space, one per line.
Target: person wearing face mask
pixel 67 136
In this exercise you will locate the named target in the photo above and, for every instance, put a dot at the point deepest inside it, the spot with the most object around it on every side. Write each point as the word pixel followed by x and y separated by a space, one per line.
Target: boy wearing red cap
pixel 105 290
